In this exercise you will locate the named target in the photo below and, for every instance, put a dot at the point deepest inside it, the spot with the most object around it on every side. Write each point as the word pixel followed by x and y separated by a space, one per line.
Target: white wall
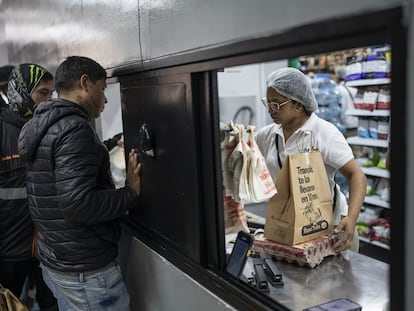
pixel 110 121
pixel 244 86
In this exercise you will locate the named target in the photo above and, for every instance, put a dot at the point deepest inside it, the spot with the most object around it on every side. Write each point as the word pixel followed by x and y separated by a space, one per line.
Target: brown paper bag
pixel 9 302
pixel 302 208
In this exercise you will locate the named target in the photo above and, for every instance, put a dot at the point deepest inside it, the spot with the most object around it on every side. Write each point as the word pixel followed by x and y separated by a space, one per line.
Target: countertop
pixel 348 275
pixel 351 275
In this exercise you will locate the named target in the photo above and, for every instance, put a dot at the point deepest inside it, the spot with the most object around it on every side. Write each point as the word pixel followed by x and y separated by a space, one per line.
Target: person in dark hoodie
pixel 72 198
pixel 28 86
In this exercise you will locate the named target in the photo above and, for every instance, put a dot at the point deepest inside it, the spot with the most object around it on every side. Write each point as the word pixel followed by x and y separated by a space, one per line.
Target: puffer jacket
pixel 16 225
pixel 70 190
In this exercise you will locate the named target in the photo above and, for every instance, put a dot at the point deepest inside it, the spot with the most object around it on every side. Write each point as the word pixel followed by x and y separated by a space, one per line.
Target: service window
pixel 352 88
pixel 192 108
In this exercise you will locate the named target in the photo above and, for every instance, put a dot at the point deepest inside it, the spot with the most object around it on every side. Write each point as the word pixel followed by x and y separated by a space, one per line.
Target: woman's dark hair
pixel 70 71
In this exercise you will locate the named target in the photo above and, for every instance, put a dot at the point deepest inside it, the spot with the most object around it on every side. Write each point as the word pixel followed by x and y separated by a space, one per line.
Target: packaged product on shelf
pixel 370 100
pixel 370 161
pixel 371 185
pixel 369 214
pixel 363 128
pixel 381 230
pixel 383 129
pixel 377 229
pixel 359 99
pixel 375 66
pixel 384 98
pixel 383 189
pixel 382 161
pixel 353 68
pixel 373 128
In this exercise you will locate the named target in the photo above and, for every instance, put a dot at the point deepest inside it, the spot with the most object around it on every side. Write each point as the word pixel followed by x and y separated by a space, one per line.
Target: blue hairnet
pixel 293 84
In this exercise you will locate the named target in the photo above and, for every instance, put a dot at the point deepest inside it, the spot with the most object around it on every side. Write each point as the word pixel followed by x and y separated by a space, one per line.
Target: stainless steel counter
pixel 348 275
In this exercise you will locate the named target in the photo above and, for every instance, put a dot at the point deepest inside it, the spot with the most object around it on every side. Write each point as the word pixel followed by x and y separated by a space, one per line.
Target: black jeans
pixel 13 274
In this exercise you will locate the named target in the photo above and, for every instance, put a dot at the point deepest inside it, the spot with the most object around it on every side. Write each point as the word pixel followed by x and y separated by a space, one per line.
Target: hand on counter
pixel 345 231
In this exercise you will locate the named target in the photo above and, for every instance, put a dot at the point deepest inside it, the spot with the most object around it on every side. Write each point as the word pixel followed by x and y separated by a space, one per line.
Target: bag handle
pixel 279 161
pixel 250 131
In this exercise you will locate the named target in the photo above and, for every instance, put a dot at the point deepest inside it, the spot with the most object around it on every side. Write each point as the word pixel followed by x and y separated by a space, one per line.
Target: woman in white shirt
pixel 291 103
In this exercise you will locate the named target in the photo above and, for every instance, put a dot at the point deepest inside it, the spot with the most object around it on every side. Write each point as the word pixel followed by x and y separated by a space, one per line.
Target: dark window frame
pixel 329 35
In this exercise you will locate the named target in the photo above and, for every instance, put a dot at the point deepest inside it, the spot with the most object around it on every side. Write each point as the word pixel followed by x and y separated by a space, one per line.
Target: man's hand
pixel 133 178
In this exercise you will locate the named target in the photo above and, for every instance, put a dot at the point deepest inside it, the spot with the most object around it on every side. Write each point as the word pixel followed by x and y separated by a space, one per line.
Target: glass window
pixel 352 91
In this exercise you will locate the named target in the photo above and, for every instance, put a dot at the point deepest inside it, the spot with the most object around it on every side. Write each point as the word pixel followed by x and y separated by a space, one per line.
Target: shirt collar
pixel 307 126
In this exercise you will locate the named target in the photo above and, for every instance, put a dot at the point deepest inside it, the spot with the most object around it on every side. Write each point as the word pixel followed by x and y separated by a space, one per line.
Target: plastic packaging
pixel 375 66
pixel 353 68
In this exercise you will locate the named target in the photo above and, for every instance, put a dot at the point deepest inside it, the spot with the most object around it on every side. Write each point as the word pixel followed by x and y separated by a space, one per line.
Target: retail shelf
pixel 356 140
pixel 376 243
pixel 375 200
pixel 376 171
pixel 368 113
pixel 366 82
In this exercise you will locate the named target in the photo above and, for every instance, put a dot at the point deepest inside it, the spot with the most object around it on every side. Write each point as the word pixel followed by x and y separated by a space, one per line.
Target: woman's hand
pixel 347 227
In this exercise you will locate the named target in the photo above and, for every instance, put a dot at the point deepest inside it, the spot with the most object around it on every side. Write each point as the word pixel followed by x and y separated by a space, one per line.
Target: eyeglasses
pixel 273 106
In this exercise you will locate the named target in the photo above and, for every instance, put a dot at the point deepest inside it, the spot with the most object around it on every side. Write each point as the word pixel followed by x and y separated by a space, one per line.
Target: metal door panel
pixel 169 197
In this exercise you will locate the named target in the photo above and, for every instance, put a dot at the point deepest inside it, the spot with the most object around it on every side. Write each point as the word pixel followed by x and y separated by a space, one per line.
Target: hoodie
pixel 16 226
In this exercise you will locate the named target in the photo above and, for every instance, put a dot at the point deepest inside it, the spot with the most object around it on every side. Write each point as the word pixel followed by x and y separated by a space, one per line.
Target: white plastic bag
pixel 228 144
pixel 261 185
pixel 232 165
pixel 234 215
pixel 244 185
pixel 118 166
pixel 238 165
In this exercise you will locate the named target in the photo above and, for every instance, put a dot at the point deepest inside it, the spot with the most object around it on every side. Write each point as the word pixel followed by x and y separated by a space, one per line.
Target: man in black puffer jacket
pixel 71 194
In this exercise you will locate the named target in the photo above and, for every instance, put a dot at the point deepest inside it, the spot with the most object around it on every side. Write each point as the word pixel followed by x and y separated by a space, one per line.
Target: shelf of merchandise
pixel 376 200
pixel 376 171
pixel 376 243
pixel 367 82
pixel 371 142
pixel 368 113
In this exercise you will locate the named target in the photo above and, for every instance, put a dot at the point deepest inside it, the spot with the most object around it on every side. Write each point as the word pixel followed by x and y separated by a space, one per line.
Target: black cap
pixel 5 72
